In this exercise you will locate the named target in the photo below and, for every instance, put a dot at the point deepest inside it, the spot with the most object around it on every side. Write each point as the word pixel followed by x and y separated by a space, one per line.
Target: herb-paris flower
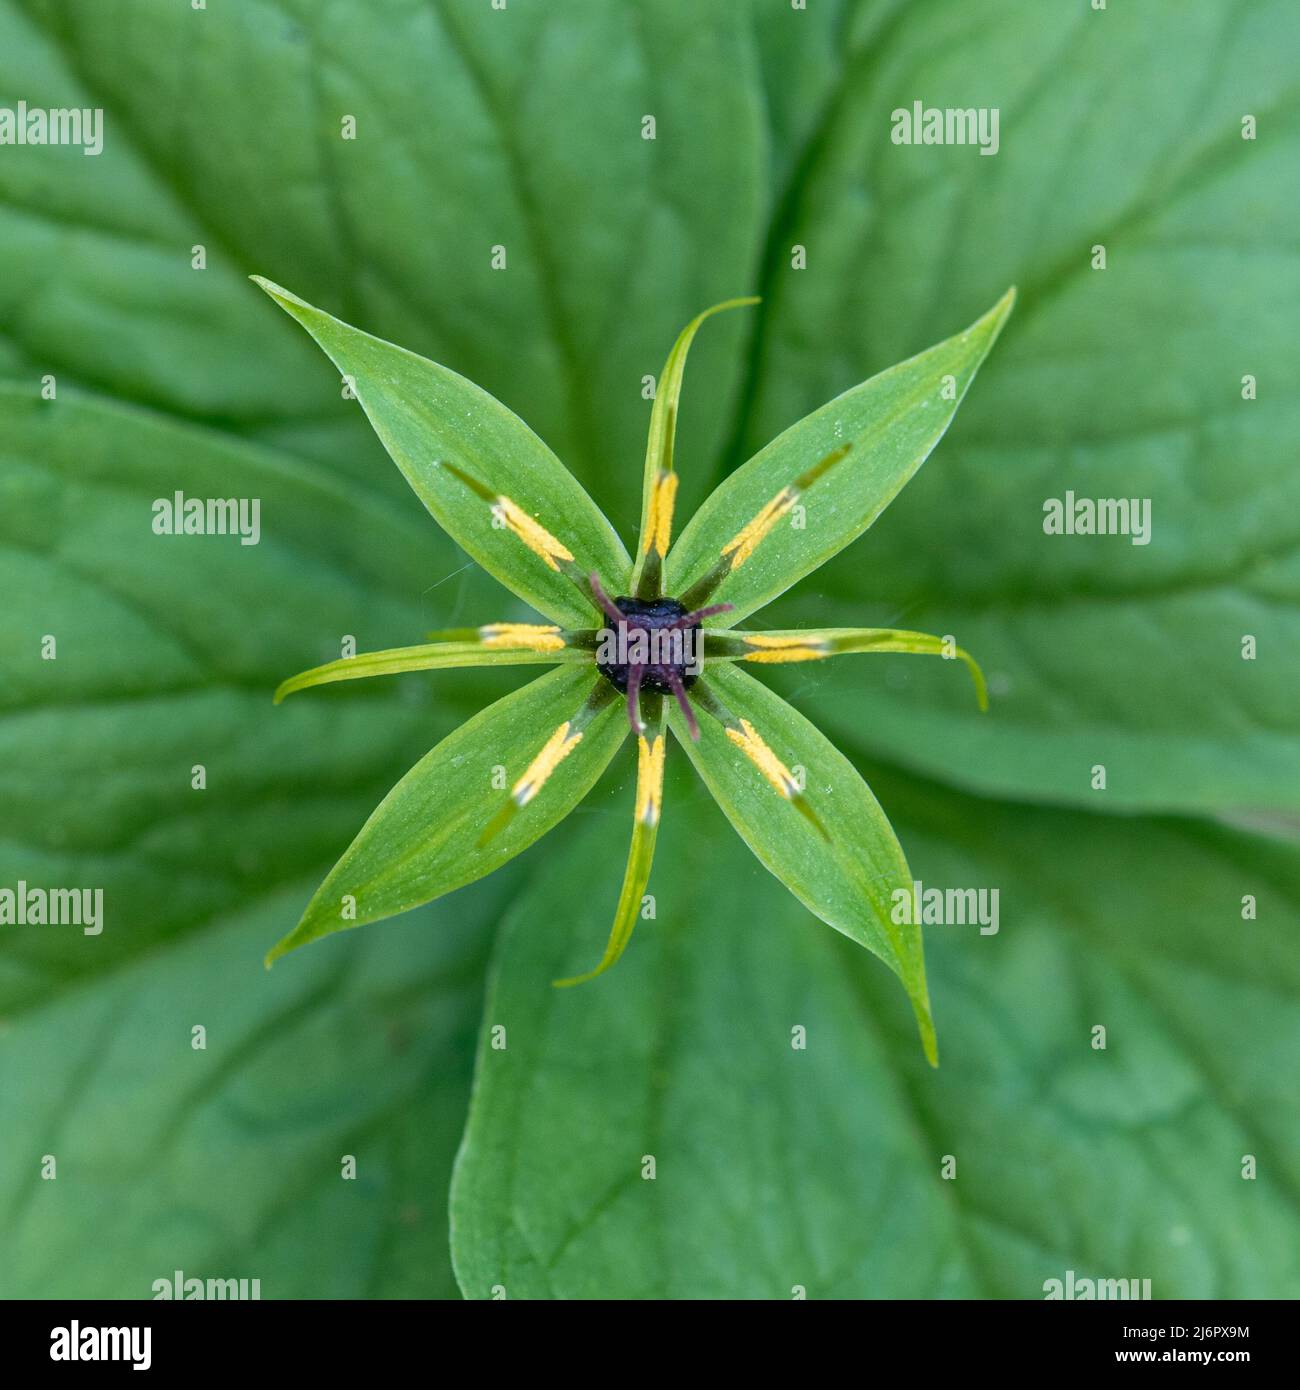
pixel 503 496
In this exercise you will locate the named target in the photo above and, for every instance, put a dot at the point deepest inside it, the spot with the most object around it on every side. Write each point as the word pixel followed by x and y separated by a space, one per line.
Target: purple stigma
pixel 684 704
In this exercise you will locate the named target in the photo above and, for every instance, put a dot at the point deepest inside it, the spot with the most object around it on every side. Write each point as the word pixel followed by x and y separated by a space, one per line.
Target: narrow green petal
pixel 851 872
pixel 424 838
pixel 815 644
pixel 659 489
pixel 645 829
pixel 818 486
pixel 497 644
pixel 485 477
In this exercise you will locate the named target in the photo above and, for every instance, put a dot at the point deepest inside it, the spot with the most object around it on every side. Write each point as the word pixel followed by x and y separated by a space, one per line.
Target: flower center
pixel 657 635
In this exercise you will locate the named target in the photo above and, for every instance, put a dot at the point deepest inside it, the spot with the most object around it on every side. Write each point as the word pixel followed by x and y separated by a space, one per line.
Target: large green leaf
pixel 169 650
pixel 1123 129
pixel 223 1161
pixel 228 1162
pixel 468 136
pixel 1120 127
pixel 821 1168
pixel 841 859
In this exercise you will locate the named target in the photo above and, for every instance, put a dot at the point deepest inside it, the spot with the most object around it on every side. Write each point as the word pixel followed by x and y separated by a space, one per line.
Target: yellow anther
pixel 773 648
pixel 751 744
pixel 533 534
pixel 533 637
pixel 742 545
pixel 558 747
pixel 649 778
pixel 659 524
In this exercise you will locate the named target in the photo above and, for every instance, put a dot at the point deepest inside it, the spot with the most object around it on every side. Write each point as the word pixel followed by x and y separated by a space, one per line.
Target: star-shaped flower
pixel 656 637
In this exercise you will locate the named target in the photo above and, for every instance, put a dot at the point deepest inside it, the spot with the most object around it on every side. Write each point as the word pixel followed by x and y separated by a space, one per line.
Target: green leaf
pixel 356 224
pixel 477 467
pixel 1120 127
pixel 169 650
pixel 842 466
pixel 227 1161
pixel 223 1161
pixel 780 1166
pixel 1125 382
pixel 843 861
pixel 427 836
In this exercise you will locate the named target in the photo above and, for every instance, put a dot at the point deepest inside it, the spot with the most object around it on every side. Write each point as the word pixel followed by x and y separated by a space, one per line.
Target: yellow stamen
pixel 773 648
pixel 533 637
pixel 533 534
pixel 751 744
pixel 649 779
pixel 787 654
pixel 558 747
pixel 659 524
pixel 745 541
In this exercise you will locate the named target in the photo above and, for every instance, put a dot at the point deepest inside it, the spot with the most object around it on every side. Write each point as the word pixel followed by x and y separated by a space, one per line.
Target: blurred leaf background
pixel 522 128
